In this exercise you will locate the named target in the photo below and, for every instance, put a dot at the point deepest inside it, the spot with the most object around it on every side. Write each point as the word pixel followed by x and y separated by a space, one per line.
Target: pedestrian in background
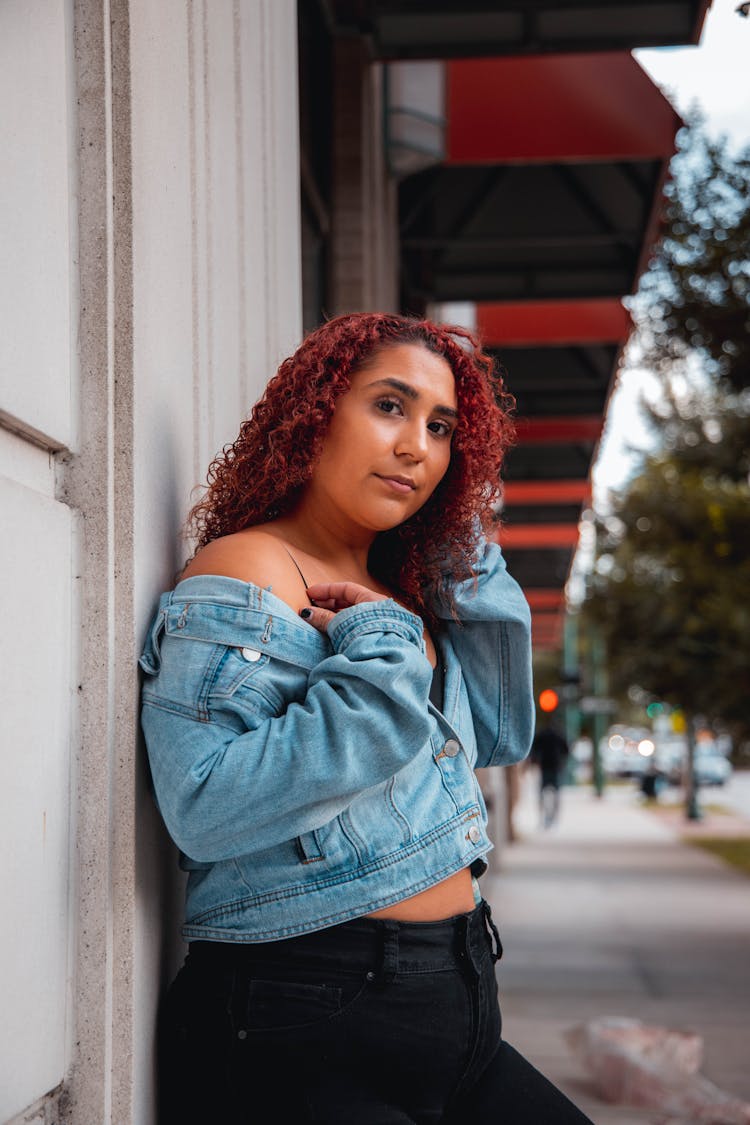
pixel 550 753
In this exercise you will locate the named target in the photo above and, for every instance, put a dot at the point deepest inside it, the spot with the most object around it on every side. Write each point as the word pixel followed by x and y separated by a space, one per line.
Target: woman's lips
pixel 402 485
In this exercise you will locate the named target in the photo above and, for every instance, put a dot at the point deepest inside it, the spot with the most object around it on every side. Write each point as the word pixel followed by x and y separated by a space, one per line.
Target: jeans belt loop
pixel 497 950
pixel 463 947
pixel 389 956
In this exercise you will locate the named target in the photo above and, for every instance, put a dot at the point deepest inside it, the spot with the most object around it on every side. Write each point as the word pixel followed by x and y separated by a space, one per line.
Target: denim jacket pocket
pixel 150 660
pixel 234 667
pixel 309 848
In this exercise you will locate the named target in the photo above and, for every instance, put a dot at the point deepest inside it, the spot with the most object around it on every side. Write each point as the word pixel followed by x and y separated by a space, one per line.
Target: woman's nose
pixel 412 442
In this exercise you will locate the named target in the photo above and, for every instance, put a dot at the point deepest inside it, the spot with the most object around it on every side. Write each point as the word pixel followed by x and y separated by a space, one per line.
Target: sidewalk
pixel 609 914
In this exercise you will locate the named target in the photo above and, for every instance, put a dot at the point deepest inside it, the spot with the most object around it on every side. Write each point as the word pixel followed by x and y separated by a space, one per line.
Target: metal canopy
pixel 537 569
pixel 525 232
pixel 559 356
pixel 546 205
pixel 549 185
pixel 543 213
pixel 452 29
pixel 554 380
pixel 555 461
pixel 559 359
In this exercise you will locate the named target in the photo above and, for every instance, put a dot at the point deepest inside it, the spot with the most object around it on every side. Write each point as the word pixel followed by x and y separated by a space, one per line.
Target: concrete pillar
pixel 150 226
pixel 364 222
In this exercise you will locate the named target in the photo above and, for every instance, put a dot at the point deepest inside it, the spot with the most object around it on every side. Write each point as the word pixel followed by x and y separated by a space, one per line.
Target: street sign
pixel 597 705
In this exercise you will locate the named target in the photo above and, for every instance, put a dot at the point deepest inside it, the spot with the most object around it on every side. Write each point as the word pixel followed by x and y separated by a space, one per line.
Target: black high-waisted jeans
pixel 373 1022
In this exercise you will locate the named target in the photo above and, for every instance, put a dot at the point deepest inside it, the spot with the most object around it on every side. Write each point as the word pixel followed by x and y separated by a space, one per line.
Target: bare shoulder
pixel 256 556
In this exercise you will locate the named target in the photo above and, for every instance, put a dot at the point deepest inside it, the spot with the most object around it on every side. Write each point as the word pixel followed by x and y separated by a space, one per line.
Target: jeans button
pixel 451 748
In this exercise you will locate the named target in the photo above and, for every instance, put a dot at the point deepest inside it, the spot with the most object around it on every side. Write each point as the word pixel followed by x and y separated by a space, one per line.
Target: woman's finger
pixel 343 594
pixel 316 616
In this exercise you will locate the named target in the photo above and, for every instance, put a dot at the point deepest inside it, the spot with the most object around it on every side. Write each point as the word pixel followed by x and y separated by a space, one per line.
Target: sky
pixel 715 73
pixel 716 76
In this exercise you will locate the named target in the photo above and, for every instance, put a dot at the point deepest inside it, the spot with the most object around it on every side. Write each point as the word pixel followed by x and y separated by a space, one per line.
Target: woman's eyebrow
pixel 409 392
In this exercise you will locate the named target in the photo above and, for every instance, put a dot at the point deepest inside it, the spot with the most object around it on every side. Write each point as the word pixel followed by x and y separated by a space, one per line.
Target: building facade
pixel 151 282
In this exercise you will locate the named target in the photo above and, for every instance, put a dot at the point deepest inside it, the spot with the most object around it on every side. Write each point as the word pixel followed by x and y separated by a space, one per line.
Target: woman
pixel 339 654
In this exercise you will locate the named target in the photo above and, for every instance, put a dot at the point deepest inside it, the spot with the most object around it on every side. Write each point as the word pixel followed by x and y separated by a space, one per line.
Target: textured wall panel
pixel 35 609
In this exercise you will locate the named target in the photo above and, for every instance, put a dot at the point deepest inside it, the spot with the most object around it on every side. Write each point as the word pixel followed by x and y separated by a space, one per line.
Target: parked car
pixel 711 765
pixel 627 751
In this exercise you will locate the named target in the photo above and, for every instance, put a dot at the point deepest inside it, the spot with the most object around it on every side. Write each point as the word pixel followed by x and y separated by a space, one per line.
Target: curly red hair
pixel 261 475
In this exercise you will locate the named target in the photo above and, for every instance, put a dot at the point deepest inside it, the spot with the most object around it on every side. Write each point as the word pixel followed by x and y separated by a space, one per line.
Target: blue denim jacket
pixel 307 779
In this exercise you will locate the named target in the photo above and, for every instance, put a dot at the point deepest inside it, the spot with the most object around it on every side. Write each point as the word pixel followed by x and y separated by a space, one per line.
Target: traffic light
pixel 548 700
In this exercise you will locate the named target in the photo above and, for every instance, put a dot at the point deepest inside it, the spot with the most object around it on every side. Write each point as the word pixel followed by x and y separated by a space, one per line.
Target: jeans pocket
pixel 297 1005
pixel 280 1003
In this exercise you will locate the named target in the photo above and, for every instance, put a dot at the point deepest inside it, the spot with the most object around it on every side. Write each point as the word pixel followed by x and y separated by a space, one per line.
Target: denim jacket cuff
pixel 384 616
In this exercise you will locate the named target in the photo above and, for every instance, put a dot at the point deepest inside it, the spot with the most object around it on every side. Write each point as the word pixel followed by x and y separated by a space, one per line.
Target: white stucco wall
pixel 35 609
pixel 216 295
pixel 216 255
pixel 37 210
pixel 38 381
pixel 149 224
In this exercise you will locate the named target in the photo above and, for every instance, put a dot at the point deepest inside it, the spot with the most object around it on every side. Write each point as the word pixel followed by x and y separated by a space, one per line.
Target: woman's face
pixel 389 442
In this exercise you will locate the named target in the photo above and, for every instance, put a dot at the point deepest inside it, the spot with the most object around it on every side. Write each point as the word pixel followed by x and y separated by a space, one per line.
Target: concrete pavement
pixel 608 914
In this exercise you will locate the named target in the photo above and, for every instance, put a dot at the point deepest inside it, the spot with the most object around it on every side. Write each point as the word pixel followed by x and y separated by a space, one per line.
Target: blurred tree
pixel 695 297
pixel 670 588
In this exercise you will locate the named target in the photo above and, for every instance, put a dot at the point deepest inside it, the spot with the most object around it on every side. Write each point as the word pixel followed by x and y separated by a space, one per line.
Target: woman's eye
pixel 442 429
pixel 388 405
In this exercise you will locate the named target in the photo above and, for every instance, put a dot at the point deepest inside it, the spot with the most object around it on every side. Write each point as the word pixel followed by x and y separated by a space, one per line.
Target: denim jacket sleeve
pixel 236 777
pixel 493 645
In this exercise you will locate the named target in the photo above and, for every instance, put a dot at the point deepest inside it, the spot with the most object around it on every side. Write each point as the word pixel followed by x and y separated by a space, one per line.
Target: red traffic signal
pixel 548 700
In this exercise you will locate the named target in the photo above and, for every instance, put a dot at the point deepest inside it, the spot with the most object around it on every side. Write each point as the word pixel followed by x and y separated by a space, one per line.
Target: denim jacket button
pixel 250 654
pixel 451 748
pixel 474 834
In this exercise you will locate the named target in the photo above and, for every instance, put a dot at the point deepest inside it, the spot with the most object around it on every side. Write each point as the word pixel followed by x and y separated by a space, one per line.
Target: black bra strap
pixel 291 556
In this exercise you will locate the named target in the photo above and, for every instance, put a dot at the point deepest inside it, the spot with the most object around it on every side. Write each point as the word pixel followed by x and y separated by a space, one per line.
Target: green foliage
pixel 670 589
pixel 734 850
pixel 695 297
pixel 707 430
pixel 671 583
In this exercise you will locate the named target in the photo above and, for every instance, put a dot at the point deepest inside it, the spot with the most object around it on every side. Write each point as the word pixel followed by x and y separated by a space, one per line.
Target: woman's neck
pixel 331 545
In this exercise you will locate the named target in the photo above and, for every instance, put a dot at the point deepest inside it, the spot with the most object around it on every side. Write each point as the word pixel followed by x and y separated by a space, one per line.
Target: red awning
pixel 534 323
pixel 556 108
pixel 558 430
pixel 551 186
pixel 530 492
pixel 544 214
pixel 541 599
pixel 546 630
pixel 529 536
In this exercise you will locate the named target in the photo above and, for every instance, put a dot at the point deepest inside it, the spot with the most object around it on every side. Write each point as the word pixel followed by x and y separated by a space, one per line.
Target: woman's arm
pixel 493 645
pixel 238 774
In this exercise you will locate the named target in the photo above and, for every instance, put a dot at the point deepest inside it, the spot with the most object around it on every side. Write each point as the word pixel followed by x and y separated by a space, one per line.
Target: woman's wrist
pixel 330 598
pixel 382 616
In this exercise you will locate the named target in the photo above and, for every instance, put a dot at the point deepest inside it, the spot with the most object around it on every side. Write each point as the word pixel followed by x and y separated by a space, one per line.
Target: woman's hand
pixel 330 597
